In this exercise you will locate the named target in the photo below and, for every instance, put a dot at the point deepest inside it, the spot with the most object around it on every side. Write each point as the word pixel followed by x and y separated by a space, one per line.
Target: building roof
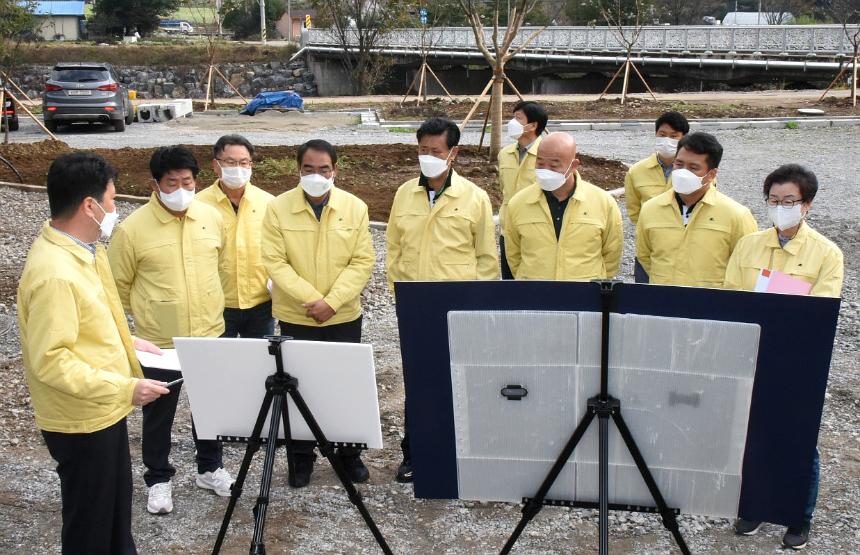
pixel 755 18
pixel 59 7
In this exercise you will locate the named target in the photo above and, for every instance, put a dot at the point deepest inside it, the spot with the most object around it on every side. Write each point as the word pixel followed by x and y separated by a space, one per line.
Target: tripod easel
pixel 212 70
pixel 278 386
pixel 628 63
pixel 603 406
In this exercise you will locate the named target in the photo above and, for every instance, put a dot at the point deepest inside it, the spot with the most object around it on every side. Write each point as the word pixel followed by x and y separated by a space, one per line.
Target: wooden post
pixel 484 127
pixel 208 89
pixel 3 117
pixel 421 89
pixel 29 113
pixel 475 105
pixel 511 85
pixel 626 80
pixel 832 83
pixel 409 90
pixel 17 88
pixel 644 82
pixel 229 84
pixel 854 84
pixel 430 69
pixel 614 77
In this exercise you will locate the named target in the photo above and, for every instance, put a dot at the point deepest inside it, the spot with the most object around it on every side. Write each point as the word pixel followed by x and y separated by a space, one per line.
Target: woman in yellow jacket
pixel 794 248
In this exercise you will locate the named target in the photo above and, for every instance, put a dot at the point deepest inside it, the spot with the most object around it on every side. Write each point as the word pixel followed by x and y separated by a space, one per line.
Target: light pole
pixel 263 21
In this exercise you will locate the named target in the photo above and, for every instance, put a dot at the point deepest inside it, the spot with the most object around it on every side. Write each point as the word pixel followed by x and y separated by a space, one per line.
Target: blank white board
pixel 226 380
pixel 684 385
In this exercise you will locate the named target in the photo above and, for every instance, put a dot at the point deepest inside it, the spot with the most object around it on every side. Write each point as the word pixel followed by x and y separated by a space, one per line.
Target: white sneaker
pixel 218 481
pixel 160 501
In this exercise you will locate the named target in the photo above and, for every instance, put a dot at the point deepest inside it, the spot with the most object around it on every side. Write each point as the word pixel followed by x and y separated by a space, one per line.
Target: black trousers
pixel 347 332
pixel 96 490
pixel 506 270
pixel 157 426
pixel 255 322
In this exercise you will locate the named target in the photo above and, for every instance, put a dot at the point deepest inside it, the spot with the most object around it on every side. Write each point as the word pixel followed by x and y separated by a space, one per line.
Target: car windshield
pixel 80 74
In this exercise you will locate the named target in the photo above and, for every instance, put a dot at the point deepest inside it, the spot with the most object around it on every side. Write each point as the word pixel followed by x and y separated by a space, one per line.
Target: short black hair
pixel 534 112
pixel 703 143
pixel 74 177
pixel 437 126
pixel 169 158
pixel 793 173
pixel 675 120
pixel 228 140
pixel 320 146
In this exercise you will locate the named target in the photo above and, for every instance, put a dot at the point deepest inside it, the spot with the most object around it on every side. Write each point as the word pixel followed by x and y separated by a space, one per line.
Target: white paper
pixel 225 379
pixel 166 361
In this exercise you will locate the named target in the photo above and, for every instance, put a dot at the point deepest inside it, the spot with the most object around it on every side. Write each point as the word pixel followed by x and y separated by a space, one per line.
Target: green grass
pixel 792 125
pixel 272 168
pixel 401 130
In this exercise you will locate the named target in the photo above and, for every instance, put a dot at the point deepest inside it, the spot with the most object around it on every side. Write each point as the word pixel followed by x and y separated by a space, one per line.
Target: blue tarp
pixel 274 99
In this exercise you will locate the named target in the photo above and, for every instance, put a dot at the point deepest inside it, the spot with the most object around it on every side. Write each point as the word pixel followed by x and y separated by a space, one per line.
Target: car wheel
pixel 13 124
pixel 129 118
pixel 51 126
pixel 119 125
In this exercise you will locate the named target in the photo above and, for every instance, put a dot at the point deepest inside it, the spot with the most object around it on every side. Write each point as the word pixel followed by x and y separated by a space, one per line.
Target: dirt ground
pixel 372 172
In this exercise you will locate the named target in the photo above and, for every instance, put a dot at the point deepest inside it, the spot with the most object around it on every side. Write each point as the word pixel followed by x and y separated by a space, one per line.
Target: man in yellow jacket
pixel 517 161
pixel 651 176
pixel 247 303
pixel 563 227
pixel 686 235
pixel 440 226
pixel 79 358
pixel 791 246
pixel 165 259
pixel 319 254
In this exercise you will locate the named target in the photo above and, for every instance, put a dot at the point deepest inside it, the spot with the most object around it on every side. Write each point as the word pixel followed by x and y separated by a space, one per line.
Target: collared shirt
pixel 243 276
pixel 89 246
pixel 433 195
pixel 695 254
pixel 516 172
pixel 455 239
pixel 523 150
pixel 667 168
pixel 78 353
pixel 167 271
pixel 588 245
pixel 309 259
pixel 686 211
pixel 808 256
pixel 318 208
pixel 557 208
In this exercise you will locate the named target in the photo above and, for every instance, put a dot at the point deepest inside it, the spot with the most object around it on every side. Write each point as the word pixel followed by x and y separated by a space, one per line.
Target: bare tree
pixel 358 26
pixel 778 12
pixel 497 52
pixel 421 78
pixel 626 20
pixel 847 14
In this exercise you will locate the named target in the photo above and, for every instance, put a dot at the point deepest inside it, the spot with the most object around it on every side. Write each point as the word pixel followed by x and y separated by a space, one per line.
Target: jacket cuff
pixel 333 301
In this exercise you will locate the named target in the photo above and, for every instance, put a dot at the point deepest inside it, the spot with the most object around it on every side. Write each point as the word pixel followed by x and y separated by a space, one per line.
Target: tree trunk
pixel 626 79
pixel 496 113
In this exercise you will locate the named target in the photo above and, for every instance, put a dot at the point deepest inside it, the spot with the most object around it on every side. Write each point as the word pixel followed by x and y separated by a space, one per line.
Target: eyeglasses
pixel 785 203
pixel 235 163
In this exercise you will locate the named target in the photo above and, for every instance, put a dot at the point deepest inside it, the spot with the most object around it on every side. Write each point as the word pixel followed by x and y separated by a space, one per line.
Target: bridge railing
pixel 823 40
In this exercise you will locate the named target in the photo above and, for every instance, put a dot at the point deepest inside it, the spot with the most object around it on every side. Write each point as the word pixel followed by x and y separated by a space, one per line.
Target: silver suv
pixel 86 92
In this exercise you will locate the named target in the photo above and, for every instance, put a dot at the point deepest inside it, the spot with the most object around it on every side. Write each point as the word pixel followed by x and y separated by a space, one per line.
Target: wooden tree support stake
pixel 229 84
pixel 208 89
pixel 475 105
pixel 29 113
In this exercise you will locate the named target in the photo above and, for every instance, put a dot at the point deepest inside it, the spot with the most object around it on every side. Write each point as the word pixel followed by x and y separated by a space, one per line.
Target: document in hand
pixel 774 281
pixel 168 360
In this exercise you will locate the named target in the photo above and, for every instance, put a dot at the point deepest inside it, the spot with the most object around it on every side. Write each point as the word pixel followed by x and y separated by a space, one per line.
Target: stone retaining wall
pixel 190 81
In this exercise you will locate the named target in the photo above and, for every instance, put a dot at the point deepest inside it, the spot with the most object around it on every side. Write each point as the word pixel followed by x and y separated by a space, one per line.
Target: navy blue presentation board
pixel 795 348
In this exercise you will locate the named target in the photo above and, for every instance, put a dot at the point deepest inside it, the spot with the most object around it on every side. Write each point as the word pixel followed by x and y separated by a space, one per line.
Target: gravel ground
pixel 319 519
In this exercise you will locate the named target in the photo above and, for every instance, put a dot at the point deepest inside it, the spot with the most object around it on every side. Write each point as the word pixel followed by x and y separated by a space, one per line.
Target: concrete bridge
pixel 580 59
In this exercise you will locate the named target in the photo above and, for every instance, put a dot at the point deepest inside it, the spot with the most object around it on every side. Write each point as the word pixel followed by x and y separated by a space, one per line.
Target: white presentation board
pixel 685 388
pixel 226 380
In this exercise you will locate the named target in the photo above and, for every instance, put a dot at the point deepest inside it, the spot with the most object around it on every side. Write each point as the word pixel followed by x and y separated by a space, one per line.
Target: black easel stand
pixel 278 385
pixel 604 407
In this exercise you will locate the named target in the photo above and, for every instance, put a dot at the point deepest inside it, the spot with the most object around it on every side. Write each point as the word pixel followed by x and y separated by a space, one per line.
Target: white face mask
pixel 235 177
pixel 785 218
pixel 685 182
pixel 178 200
pixel 315 185
pixel 550 180
pixel 431 166
pixel 666 147
pixel 108 222
pixel 515 129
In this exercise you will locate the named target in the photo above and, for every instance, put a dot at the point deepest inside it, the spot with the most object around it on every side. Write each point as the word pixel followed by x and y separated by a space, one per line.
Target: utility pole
pixel 263 21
